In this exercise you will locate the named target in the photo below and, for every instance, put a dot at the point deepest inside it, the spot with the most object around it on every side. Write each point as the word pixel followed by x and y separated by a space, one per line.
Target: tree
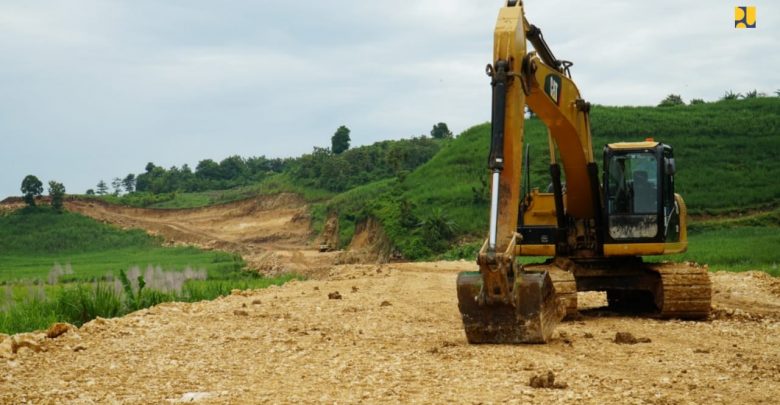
pixel 695 101
pixel 129 183
pixel 31 188
pixel 207 169
pixel 440 131
pixel 117 185
pixel 671 101
pixel 232 168
pixel 777 92
pixel 102 188
pixel 56 192
pixel 752 94
pixel 90 192
pixel 730 95
pixel 340 140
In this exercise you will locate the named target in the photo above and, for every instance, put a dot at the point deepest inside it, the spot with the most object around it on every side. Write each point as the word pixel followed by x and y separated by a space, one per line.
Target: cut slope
pixel 270 232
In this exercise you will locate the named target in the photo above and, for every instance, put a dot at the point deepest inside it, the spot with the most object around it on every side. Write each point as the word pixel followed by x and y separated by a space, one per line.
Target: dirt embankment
pixel 272 233
pixel 392 334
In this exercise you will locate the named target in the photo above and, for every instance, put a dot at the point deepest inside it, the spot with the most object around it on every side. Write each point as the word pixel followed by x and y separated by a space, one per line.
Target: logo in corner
pixel 552 86
pixel 745 17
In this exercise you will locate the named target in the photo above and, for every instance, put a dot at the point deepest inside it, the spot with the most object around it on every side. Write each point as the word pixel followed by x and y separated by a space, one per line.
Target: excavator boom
pixel 503 303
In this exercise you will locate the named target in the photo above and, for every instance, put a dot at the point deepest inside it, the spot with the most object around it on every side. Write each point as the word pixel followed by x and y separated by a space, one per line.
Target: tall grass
pixel 78 303
pixel 33 242
pixel 67 267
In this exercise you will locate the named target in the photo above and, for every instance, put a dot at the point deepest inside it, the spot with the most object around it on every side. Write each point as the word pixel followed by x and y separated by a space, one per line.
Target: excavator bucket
pixel 531 317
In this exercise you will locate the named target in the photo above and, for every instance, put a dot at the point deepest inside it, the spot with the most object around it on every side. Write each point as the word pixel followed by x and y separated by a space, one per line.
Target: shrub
pixel 671 101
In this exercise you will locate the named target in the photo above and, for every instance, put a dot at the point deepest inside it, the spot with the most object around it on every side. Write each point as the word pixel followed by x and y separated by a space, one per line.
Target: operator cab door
pixel 635 183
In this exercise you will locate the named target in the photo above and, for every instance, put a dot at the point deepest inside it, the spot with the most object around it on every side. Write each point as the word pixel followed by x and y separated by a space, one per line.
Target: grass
pixel 32 242
pixel 735 249
pixel 739 243
pixel 724 152
pixel 81 302
pixel 67 267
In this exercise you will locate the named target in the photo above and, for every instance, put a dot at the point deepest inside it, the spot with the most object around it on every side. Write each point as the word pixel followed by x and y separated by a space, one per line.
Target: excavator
pixel 593 233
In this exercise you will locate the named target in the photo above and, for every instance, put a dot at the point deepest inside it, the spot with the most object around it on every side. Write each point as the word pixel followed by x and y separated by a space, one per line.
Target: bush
pixel 671 101
pixel 438 229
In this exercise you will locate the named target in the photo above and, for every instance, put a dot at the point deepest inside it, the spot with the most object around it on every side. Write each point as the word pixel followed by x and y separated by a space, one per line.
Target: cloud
pixel 93 90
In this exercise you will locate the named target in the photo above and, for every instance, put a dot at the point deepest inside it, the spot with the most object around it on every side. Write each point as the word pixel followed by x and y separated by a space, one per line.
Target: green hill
pixel 725 154
pixel 724 151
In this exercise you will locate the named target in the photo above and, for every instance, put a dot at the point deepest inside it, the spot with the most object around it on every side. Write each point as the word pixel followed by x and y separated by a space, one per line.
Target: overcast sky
pixel 95 89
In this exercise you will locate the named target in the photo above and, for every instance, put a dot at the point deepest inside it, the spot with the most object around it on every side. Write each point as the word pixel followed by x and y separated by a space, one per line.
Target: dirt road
pixel 396 336
pixel 272 233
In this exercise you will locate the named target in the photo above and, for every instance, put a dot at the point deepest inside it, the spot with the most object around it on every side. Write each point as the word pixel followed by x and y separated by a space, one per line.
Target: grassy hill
pixel 726 168
pixel 726 165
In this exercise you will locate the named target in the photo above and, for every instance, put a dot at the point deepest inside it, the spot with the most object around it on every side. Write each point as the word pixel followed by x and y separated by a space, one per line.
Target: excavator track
pixel 685 290
pixel 563 282
pixel 675 290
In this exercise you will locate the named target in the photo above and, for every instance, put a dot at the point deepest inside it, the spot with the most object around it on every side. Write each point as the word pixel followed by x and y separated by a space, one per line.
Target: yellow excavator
pixel 594 233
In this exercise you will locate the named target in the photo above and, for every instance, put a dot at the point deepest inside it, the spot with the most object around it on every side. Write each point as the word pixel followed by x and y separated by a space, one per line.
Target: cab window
pixel 633 184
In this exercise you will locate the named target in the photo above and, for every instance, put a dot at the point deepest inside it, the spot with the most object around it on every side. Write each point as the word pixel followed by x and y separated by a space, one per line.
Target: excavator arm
pixel 503 303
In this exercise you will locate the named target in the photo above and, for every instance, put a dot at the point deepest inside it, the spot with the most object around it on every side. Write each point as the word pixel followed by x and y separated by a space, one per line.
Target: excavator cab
pixel 639 195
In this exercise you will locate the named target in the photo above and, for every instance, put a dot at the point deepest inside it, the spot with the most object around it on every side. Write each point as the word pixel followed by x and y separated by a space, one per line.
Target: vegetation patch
pixel 60 266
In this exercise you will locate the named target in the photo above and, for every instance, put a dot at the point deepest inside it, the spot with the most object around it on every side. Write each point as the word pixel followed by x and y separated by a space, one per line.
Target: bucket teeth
pixel 530 318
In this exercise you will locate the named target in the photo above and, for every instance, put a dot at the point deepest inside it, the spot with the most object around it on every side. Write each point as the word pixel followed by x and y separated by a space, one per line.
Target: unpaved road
pixel 272 233
pixel 395 336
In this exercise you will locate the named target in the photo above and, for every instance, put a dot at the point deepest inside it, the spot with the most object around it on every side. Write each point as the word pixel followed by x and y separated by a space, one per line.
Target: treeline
pixel 231 172
pixel 339 172
pixel 321 169
pixel 675 99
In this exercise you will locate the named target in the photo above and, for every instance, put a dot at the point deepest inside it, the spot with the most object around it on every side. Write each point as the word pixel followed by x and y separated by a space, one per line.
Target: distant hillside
pixel 725 153
pixel 428 193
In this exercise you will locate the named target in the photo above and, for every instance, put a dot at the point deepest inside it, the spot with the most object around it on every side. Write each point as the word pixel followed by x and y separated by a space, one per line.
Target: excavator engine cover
pixel 531 317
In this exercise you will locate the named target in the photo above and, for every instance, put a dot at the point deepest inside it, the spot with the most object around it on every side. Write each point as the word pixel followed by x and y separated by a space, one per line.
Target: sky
pixel 95 89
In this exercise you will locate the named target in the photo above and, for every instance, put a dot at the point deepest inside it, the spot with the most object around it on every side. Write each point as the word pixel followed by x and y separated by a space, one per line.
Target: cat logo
pixel 745 17
pixel 552 86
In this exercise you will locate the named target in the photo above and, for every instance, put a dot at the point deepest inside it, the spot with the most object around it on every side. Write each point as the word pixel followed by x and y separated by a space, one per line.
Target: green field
pixel 67 267
pixel 32 243
pixel 735 249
